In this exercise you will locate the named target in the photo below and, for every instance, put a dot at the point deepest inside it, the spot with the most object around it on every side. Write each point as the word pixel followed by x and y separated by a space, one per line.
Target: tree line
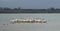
pixel 6 8
pixel 19 10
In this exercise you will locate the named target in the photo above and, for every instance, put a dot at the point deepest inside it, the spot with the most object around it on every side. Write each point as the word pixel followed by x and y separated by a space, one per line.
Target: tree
pixel 19 8
pixel 15 9
pixel 1 8
pixel 52 8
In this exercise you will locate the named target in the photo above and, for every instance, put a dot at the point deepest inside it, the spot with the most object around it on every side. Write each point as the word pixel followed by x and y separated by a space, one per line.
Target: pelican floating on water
pixel 34 20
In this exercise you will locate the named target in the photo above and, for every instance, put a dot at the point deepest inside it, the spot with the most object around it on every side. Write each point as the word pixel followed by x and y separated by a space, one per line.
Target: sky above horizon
pixel 30 4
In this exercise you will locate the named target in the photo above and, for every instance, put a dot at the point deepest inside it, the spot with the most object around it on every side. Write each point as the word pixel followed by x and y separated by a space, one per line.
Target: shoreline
pixel 29 13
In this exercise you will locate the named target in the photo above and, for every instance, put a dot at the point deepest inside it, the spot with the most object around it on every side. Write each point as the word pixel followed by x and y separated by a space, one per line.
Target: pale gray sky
pixel 30 3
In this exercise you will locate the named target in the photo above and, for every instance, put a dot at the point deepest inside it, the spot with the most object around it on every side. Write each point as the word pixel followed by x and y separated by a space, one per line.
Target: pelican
pixel 28 21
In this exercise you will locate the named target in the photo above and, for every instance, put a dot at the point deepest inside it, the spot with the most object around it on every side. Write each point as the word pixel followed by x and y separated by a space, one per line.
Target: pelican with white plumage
pixel 29 20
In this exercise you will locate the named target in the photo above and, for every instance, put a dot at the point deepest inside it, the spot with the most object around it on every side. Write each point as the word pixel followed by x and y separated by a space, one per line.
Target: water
pixel 52 25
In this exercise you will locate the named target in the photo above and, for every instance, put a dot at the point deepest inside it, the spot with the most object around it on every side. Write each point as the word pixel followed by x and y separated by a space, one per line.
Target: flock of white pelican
pixel 28 20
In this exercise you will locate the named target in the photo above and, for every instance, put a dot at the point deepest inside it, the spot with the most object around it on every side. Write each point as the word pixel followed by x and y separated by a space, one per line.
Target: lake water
pixel 52 25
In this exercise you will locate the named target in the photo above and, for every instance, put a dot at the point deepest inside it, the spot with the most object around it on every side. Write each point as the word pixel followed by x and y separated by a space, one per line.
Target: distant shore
pixel 17 13
pixel 30 11
pixel 19 10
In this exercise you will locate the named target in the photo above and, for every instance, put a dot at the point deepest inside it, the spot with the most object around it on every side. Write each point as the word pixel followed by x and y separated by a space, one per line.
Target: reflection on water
pixel 52 25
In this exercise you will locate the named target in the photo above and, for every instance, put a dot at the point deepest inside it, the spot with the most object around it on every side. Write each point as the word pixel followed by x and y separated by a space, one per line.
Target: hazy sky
pixel 30 3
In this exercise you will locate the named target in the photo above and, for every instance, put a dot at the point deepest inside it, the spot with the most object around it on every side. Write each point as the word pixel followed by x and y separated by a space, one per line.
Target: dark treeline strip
pixel 19 10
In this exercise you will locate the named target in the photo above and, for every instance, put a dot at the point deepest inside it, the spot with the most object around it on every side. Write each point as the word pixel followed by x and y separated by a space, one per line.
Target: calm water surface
pixel 52 25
